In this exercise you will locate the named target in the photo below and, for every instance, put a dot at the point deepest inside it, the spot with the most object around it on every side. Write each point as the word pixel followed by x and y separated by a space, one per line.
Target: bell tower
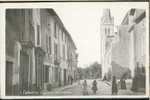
pixel 107 35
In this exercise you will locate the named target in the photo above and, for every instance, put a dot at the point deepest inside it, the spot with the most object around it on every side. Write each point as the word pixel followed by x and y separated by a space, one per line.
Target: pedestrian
pixel 114 86
pixel 104 78
pixel 121 83
pixel 135 84
pixel 94 86
pixel 71 80
pixel 85 91
pixel 124 84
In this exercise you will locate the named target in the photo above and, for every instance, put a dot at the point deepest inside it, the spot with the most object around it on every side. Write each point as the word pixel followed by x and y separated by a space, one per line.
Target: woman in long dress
pixel 114 86
pixel 94 86
pixel 85 91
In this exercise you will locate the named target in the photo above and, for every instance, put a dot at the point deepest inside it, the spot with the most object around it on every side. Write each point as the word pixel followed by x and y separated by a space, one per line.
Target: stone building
pixel 107 39
pixel 121 51
pixel 137 28
pixel 59 47
pixel 20 51
pixel 130 51
pixel 37 53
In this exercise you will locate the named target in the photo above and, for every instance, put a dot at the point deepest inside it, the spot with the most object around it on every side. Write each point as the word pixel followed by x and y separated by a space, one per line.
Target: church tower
pixel 107 35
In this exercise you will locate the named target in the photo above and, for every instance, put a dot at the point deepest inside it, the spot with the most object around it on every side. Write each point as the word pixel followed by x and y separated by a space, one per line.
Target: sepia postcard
pixel 74 50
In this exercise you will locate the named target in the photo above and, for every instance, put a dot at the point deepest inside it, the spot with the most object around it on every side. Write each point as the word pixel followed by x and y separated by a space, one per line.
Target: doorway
pixel 9 77
pixel 24 71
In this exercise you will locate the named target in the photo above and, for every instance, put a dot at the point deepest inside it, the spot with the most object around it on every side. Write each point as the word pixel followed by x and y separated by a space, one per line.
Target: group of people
pixel 85 87
pixel 94 87
pixel 121 84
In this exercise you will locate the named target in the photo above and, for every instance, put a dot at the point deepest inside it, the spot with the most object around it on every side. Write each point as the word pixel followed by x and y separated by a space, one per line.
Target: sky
pixel 83 23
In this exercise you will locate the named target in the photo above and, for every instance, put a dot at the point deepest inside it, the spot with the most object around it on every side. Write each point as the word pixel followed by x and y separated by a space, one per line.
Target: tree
pixel 95 69
pixel 92 71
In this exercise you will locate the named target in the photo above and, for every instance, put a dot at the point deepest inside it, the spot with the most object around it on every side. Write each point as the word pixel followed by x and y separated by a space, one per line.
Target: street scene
pixel 104 88
pixel 76 51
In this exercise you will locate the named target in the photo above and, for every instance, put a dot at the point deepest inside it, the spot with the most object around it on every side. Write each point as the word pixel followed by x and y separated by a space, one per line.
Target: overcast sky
pixel 83 23
pixel 82 20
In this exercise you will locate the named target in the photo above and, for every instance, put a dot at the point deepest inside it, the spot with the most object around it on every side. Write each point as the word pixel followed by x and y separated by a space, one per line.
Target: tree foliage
pixel 91 72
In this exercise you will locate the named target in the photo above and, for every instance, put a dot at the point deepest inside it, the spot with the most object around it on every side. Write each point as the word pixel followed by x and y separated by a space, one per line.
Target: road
pixel 76 89
pixel 104 88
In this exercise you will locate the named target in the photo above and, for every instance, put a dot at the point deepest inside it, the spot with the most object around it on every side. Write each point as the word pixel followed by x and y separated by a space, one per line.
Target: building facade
pixel 107 39
pixel 122 53
pixel 40 53
pixel 130 51
pixel 137 28
pixel 20 48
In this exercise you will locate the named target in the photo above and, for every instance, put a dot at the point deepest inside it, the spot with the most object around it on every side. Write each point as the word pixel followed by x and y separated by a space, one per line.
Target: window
pixel 46 43
pixel 56 30
pixel 46 73
pixel 21 36
pixel 66 39
pixel 108 31
pixel 38 34
pixel 56 74
pixel 31 30
pixel 55 50
pixel 50 45
pixel 62 35
pixel 105 31
pixel 49 27
pixel 63 52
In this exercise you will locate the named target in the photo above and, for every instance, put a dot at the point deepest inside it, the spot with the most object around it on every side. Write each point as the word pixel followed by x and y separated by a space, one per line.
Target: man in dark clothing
pixel 94 86
pixel 71 80
pixel 123 83
pixel 114 86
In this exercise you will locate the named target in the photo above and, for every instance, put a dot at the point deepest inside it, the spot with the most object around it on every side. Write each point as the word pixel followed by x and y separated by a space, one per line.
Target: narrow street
pixel 76 89
pixel 104 88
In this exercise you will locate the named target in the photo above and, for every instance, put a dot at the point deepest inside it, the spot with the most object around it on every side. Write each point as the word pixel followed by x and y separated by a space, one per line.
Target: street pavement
pixel 76 89
pixel 104 88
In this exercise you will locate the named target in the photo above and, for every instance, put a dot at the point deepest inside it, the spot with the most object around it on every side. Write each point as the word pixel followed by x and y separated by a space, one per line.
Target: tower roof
pixel 107 18
pixel 106 13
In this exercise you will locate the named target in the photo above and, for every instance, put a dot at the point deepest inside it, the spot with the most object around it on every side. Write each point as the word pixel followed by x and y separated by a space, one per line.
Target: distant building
pixel 40 53
pixel 107 39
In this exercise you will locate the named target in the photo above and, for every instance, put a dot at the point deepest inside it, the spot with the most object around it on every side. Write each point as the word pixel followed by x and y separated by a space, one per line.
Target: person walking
pixel 94 86
pixel 85 91
pixel 71 80
pixel 114 86
pixel 124 84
